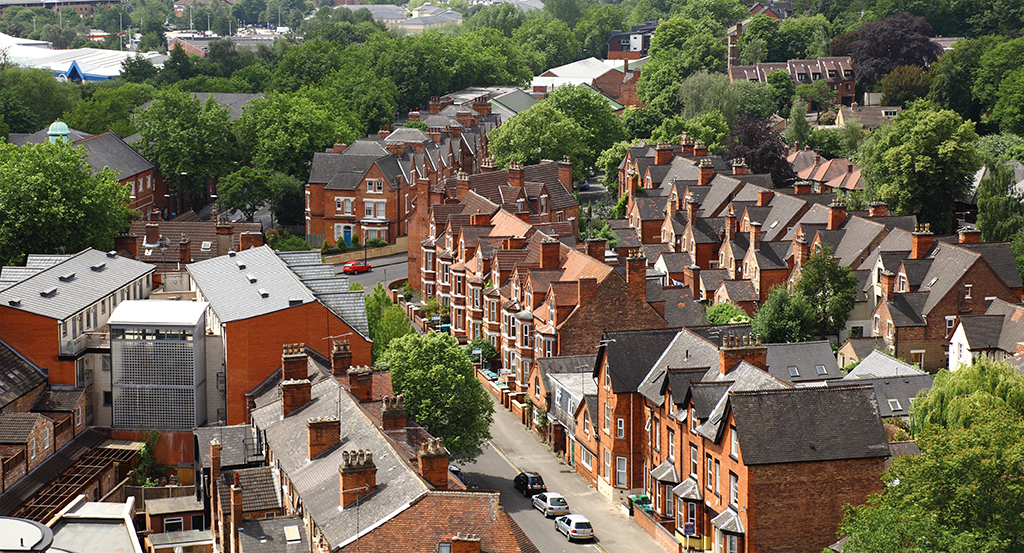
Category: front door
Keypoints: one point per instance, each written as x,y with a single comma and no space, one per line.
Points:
348,236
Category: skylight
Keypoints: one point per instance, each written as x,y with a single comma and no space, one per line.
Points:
206,246
932,281
793,371
821,369
291,534
894,404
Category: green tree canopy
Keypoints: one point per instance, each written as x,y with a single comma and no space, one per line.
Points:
541,131
829,288
31,99
281,132
726,313
247,190
953,76
784,317
995,64
591,112
306,64
710,128
189,142
441,391
595,28
552,38
904,84
51,202
109,109
505,17
1008,112
679,48
921,163
946,404
1000,212
799,130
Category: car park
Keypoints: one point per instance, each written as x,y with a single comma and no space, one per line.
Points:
551,504
354,267
575,527
529,483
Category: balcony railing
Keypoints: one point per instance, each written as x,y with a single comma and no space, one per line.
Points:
83,341
84,379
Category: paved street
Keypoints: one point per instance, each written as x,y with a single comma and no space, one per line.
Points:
392,267
615,531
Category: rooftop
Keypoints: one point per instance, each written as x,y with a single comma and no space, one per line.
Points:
158,313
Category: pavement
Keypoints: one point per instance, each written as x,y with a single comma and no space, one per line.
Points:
522,450
389,268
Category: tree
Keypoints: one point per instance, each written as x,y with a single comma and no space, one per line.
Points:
995,64
723,12
762,148
595,28
552,38
942,405
784,317
306,64
540,131
608,163
726,313
640,122
441,391
704,92
997,145
782,89
287,206
799,130
710,128
110,109
567,11
31,99
190,142
248,189
1008,111
754,99
281,132
393,324
137,69
829,288
679,48
1000,212
881,46
487,350
953,76
762,34
52,202
921,163
591,112
905,83
805,37
504,17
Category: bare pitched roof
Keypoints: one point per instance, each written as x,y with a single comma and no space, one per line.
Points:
18,375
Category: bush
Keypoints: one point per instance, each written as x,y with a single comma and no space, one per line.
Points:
407,292
376,243
620,207
284,241
487,351
726,313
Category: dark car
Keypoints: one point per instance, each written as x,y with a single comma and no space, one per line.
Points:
529,483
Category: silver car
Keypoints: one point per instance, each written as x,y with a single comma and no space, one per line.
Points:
551,504
575,527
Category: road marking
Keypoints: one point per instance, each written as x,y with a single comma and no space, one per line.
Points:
505,457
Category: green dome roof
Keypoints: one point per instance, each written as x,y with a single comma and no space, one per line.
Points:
58,130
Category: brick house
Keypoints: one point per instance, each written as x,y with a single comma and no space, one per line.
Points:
21,381
27,437
68,409
55,313
257,293
837,71
174,514
725,440
994,335
935,285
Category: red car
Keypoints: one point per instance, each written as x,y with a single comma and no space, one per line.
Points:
353,267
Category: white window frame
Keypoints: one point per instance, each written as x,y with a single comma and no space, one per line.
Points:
174,520
734,488
620,427
694,461
734,445
586,459
46,438
607,416
621,472
671,445
608,465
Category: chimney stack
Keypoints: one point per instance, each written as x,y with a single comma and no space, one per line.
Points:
755,235
339,147
550,254
730,226
294,364
742,348
249,240
691,279
596,247
706,171
921,241
225,236
686,143
465,544
700,149
801,249
185,250
433,463
215,449
488,165
565,172
636,275
691,210
887,281
970,236
322,433
482,105
236,514
515,174
341,358
295,394
461,185
479,219
878,209
739,166
764,197
156,215
836,214
414,115
393,415
663,153
152,234
357,475
360,382
383,132
802,187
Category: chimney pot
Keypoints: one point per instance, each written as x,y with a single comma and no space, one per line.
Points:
341,358
921,241
433,463
321,435
970,236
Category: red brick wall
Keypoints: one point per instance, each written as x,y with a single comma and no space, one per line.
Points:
253,348
14,466
38,339
797,507
660,535
173,446
613,308
24,403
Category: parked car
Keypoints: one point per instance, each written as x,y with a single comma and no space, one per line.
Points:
353,267
551,504
575,527
529,483
584,186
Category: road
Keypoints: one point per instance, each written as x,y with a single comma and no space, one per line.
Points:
521,449
392,268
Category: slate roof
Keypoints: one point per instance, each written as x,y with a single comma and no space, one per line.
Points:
879,364
18,375
675,262
905,309
1002,327
268,535
862,347
999,256
650,208
226,285
15,428
686,350
631,354
43,135
738,290
681,309
806,357
712,279
108,150
894,393
72,296
58,400
808,424
261,488
235,443
706,396
317,481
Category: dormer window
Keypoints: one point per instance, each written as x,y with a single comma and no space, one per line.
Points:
802,77
832,73
815,76
890,113
848,73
